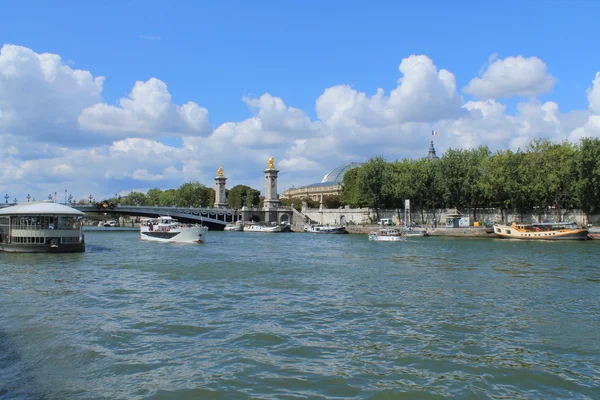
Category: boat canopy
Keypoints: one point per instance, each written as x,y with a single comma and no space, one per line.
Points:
40,208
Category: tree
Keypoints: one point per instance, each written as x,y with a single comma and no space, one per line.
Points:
350,191
374,184
153,196
135,199
332,201
587,167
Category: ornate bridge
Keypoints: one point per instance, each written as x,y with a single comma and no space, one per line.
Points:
214,218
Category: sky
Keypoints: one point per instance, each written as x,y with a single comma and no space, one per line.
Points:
106,98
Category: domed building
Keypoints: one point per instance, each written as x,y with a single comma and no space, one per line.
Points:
330,185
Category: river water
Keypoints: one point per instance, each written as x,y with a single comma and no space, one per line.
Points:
297,316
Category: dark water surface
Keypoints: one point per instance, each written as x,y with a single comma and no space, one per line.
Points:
296,316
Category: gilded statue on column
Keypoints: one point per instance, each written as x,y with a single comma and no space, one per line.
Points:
220,171
271,163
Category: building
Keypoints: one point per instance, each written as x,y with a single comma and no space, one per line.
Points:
330,185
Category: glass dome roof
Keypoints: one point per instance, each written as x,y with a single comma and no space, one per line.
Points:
336,175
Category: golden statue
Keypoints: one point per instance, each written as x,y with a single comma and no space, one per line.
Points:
271,163
220,171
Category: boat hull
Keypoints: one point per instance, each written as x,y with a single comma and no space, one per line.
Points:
42,248
509,232
331,230
377,238
185,235
594,236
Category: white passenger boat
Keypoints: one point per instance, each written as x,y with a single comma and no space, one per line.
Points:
331,229
108,224
41,227
541,231
387,235
167,229
258,227
234,227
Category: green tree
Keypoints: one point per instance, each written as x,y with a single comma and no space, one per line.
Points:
135,199
374,183
153,196
350,191
332,201
587,167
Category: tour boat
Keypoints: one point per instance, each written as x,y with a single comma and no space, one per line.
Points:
541,231
387,235
414,232
331,229
41,227
167,229
594,233
234,227
258,227
108,224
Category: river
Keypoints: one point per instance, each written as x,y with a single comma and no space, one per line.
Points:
297,316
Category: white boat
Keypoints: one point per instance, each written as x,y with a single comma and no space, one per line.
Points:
541,231
387,235
167,229
41,227
331,229
108,224
258,227
414,232
234,227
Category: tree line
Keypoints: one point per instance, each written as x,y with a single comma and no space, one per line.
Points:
191,194
544,175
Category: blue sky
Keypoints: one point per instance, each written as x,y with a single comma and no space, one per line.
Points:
216,53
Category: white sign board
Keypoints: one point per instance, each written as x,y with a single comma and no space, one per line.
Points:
407,204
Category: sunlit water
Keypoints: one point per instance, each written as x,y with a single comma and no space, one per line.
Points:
291,316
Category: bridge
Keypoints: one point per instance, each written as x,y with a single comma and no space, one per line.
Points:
213,218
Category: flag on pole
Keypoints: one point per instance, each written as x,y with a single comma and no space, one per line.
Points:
434,133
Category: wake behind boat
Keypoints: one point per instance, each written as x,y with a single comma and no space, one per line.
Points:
169,230
541,231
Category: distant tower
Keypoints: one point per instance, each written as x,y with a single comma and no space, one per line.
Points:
271,201
431,154
220,197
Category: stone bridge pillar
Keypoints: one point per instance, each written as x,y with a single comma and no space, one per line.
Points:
220,197
271,202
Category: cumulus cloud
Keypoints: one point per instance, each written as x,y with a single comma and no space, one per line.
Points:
148,111
41,96
512,76
593,95
46,106
423,94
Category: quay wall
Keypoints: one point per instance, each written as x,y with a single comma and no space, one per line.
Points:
365,216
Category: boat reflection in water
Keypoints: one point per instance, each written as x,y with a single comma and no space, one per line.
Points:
541,231
169,230
41,227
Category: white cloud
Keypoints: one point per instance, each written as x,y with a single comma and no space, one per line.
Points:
41,96
512,76
148,112
46,107
593,95
423,94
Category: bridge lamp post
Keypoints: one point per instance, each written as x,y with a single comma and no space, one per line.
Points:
6,196
15,200
90,197
70,198
55,197
28,197
65,196
50,196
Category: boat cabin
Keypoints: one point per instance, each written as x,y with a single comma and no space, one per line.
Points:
41,227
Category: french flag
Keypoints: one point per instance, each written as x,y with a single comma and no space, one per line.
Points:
434,133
